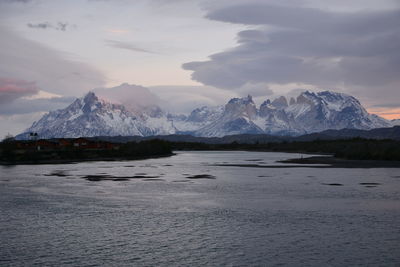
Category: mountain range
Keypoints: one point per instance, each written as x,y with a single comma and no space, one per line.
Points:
308,113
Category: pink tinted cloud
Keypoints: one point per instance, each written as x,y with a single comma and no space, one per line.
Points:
11,89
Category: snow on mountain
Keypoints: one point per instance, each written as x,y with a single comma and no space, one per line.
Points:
237,118
331,110
309,112
395,122
91,116
315,112
197,119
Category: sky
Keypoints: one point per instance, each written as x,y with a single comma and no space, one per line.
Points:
189,53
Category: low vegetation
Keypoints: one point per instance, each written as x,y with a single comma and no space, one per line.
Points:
11,153
356,148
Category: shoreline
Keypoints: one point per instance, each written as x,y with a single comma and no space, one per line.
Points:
76,161
334,162
328,159
324,161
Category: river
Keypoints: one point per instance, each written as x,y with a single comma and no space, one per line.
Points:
188,210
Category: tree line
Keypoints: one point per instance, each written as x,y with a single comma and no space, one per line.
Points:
355,148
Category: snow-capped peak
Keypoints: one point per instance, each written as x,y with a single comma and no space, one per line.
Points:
280,102
91,116
242,101
309,112
241,107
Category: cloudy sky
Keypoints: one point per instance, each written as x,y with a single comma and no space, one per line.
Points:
195,52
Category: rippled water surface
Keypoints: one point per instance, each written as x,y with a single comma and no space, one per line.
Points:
185,211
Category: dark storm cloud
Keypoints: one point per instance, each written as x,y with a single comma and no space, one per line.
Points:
308,18
127,46
306,45
60,26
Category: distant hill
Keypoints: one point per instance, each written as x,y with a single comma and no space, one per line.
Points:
379,133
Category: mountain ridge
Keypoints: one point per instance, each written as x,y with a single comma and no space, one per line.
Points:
309,113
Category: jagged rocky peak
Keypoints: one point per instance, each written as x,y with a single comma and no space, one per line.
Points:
90,101
292,101
244,107
266,104
328,96
304,98
90,97
331,100
242,101
200,114
333,96
266,108
280,102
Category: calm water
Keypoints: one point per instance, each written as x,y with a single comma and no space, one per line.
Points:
52,216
